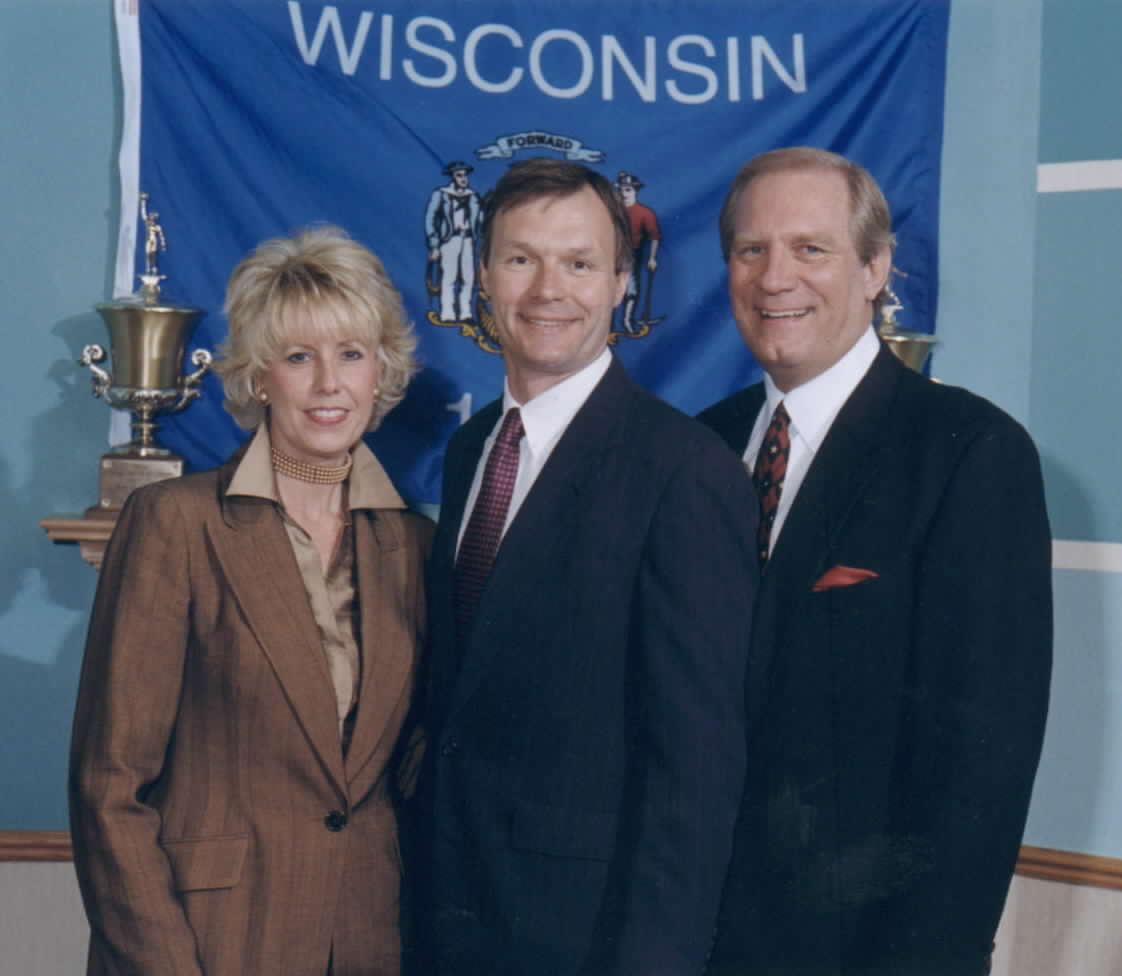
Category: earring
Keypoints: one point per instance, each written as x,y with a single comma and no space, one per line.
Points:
259,395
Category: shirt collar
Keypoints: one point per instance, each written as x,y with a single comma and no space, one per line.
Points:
813,406
545,417
370,486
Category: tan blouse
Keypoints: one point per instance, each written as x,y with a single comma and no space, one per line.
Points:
331,594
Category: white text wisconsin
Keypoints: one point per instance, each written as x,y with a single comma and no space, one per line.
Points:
559,62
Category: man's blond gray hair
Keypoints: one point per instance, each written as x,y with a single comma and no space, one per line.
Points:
870,217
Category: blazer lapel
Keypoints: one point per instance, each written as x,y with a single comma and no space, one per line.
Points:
736,426
547,516
460,462
253,548
838,475
385,633
836,479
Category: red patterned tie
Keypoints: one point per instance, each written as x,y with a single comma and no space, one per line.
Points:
768,475
485,527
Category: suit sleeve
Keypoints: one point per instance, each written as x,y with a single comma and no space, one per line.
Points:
411,743
124,722
690,645
983,641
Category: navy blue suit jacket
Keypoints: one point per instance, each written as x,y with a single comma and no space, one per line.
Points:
895,724
586,744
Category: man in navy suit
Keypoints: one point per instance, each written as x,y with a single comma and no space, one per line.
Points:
898,684
585,714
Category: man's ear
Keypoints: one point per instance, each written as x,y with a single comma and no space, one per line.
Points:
876,273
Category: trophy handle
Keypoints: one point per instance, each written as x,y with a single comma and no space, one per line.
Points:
190,389
93,353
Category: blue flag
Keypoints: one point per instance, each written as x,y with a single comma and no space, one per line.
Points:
258,117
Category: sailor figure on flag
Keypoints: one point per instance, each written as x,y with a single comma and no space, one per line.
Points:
451,229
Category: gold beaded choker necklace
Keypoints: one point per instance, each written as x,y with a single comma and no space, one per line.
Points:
315,474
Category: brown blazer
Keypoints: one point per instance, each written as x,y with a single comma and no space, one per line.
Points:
217,828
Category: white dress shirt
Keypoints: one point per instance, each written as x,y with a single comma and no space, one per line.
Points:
544,419
812,408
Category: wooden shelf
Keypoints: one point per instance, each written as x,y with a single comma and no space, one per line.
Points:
91,532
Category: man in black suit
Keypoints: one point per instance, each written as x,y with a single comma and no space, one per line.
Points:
898,684
586,711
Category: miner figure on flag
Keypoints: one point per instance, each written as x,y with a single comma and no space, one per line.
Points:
645,237
451,231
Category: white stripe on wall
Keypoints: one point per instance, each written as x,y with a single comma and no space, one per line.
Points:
1096,557
1092,174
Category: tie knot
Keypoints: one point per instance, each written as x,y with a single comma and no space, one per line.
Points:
780,418
511,430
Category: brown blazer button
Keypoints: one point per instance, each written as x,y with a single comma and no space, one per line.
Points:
335,821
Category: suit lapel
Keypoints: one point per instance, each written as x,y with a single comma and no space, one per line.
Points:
844,465
460,462
735,425
547,516
387,643
838,475
257,559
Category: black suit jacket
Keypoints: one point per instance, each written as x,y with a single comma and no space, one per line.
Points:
895,724
586,745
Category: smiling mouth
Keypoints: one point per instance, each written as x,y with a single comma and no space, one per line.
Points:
789,313
327,414
545,323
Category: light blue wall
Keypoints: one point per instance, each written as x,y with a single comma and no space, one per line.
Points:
988,207
1075,410
1028,309
1075,393
1077,804
1081,88
1076,405
1025,283
58,125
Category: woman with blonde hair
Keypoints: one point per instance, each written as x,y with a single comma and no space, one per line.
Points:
240,725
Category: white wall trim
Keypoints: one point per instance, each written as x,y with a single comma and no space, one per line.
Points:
1095,557
1092,174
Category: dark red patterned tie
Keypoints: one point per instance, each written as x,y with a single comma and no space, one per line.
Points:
485,527
768,475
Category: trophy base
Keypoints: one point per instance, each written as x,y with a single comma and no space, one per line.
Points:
120,474
137,451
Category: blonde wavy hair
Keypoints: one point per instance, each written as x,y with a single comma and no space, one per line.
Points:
318,284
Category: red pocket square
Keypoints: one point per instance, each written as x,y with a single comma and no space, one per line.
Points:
842,576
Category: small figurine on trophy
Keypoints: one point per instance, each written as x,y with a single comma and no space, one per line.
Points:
154,242
911,348
146,338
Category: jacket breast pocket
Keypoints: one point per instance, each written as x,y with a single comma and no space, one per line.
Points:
888,590
563,831
204,863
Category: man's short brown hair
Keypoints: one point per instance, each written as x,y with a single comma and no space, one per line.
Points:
532,179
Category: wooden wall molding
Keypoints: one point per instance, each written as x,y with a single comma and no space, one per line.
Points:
1042,863
1070,867
35,845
